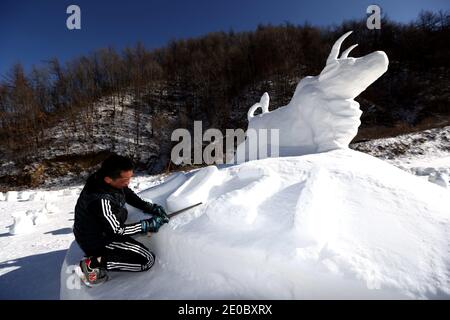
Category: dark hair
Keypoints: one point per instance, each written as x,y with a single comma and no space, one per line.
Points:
114,165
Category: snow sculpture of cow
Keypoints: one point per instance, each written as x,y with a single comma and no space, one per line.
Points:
322,114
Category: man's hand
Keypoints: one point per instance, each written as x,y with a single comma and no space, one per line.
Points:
153,224
157,210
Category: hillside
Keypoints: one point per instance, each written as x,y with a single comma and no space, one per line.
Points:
60,121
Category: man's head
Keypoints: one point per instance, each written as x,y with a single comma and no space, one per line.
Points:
117,171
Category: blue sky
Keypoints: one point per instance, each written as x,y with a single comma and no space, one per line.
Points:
32,31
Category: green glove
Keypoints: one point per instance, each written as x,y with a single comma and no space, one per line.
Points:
157,210
152,225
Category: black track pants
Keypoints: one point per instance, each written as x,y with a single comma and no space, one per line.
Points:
127,254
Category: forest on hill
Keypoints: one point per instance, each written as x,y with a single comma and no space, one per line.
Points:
214,78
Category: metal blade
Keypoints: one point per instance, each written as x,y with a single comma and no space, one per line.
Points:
173,214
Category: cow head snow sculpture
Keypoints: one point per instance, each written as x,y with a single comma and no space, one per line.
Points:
322,114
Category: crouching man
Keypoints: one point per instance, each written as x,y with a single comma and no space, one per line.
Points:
100,228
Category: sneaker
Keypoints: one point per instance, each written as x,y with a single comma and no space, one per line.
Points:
92,276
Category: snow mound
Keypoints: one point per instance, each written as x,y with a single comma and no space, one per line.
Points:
195,190
23,196
339,225
315,219
26,222
11,196
441,179
231,206
23,223
51,207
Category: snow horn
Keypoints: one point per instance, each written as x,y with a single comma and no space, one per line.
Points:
334,54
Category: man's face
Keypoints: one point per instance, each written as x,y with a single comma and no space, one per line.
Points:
121,182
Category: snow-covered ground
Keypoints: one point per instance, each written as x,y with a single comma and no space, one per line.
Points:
330,225
340,224
425,153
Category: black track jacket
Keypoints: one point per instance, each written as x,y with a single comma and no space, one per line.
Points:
100,214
